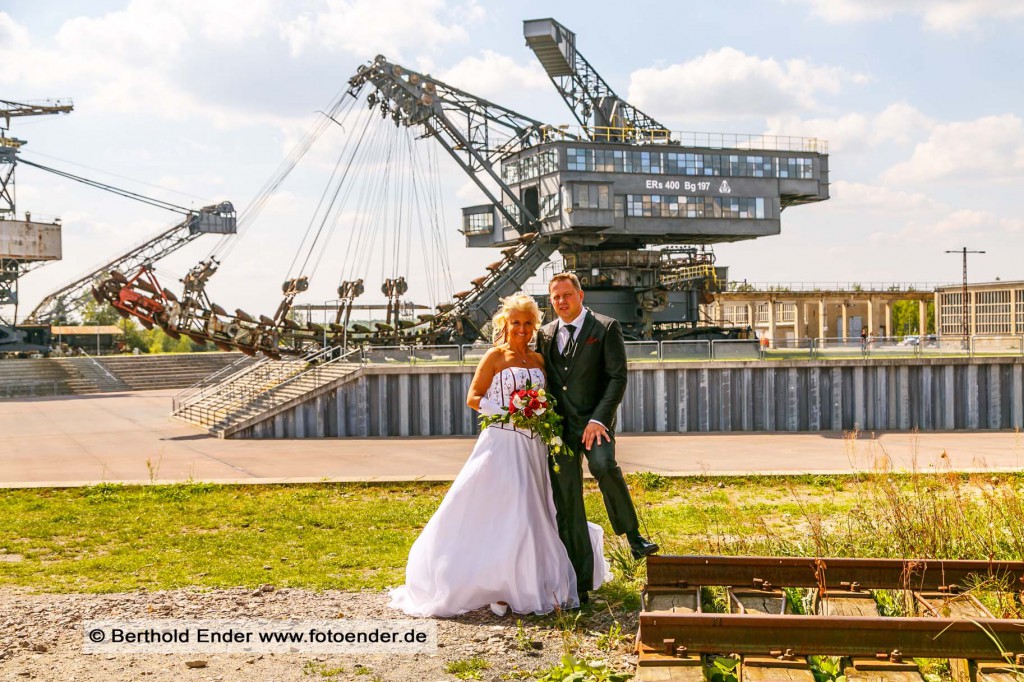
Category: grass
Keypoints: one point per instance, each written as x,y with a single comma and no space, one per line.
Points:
109,538
468,668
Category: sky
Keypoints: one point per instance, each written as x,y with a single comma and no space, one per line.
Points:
197,102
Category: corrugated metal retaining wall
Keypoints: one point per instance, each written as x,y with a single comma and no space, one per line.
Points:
837,395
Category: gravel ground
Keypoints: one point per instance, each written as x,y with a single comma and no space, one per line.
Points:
41,638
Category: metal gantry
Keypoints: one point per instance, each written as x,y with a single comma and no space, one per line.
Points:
604,115
590,196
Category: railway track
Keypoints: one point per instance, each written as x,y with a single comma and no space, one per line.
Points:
773,614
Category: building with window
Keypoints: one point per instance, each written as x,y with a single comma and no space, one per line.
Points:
785,313
993,309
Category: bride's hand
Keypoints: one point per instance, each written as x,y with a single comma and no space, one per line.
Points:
491,407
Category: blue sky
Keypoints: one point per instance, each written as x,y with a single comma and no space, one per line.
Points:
195,102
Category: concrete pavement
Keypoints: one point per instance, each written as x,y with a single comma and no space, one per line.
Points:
128,437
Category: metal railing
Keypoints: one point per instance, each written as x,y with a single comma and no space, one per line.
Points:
854,287
102,369
266,392
686,138
212,401
731,349
205,386
245,384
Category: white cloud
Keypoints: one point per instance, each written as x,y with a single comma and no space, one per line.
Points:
496,77
729,83
12,34
858,197
988,147
849,132
371,27
218,59
943,15
897,124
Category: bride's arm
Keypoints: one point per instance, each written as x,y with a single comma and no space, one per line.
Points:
482,379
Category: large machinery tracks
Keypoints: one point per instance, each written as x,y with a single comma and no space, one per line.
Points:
945,613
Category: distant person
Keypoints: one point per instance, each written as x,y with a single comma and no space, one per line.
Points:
864,339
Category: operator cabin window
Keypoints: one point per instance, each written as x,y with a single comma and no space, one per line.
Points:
478,223
591,196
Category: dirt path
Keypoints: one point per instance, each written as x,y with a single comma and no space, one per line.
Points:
41,638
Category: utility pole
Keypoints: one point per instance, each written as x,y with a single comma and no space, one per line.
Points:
966,324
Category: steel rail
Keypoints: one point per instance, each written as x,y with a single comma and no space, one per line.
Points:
746,634
828,573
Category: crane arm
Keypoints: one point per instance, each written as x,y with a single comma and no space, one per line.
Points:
71,298
475,132
591,100
9,109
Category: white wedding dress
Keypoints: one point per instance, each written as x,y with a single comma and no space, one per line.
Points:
494,537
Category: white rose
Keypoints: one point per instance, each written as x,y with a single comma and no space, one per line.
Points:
540,410
557,441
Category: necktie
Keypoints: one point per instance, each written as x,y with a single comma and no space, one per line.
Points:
570,343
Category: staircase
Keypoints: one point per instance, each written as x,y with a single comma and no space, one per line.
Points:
228,403
88,375
21,378
173,370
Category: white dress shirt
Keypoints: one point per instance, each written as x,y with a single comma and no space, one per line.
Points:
563,333
562,337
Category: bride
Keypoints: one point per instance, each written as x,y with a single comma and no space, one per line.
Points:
493,541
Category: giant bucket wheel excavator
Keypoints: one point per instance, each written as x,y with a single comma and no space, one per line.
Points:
631,208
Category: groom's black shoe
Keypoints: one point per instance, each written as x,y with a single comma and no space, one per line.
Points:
641,547
584,597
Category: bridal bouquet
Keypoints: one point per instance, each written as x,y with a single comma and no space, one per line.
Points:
533,409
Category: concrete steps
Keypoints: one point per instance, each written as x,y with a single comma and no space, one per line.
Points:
173,370
86,375
23,378
257,390
299,388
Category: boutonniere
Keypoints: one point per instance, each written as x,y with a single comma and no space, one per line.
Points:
591,340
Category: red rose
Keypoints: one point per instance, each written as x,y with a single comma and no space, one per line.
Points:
534,404
512,409
528,412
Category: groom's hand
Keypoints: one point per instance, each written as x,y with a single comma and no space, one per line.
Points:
593,434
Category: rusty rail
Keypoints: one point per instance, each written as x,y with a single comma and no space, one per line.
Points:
832,635
676,639
830,573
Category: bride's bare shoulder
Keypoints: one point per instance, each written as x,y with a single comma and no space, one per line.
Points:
493,359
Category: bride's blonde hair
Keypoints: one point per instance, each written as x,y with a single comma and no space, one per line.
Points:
509,305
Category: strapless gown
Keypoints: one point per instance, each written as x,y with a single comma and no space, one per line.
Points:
494,537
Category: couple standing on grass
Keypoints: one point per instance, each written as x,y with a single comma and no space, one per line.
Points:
512,531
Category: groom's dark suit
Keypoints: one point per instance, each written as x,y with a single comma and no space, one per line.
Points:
588,385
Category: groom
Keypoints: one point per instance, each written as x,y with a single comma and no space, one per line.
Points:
585,358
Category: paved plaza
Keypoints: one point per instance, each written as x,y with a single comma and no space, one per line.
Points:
128,437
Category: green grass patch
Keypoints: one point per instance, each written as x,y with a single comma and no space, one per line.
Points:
468,668
110,538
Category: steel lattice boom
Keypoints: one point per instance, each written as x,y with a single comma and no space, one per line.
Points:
592,101
70,299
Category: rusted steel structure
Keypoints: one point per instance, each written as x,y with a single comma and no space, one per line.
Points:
762,638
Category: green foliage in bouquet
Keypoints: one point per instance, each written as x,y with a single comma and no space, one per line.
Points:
533,409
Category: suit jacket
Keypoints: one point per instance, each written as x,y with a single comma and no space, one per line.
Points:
590,385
